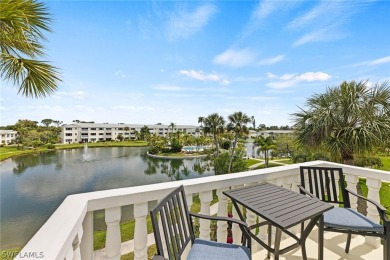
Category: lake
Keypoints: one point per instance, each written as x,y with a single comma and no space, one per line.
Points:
33,186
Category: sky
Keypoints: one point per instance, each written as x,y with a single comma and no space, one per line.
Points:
148,62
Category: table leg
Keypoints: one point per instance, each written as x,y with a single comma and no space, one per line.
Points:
269,240
321,238
278,237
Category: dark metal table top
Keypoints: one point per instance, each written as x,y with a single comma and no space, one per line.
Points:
283,208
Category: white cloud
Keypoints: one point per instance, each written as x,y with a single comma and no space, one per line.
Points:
379,61
200,75
184,24
271,75
324,21
271,60
290,80
235,58
313,76
265,8
287,76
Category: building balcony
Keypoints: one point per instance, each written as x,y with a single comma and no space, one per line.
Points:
68,233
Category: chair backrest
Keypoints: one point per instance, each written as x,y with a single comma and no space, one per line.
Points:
324,183
172,224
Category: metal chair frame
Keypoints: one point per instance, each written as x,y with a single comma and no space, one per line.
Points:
322,185
172,219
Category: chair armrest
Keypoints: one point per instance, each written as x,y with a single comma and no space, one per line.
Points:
379,207
239,222
159,257
242,225
303,190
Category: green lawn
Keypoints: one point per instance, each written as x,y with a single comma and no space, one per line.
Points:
250,162
386,163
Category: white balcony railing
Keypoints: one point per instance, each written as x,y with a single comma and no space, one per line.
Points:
68,233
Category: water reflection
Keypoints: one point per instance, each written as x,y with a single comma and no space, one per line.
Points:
33,186
44,158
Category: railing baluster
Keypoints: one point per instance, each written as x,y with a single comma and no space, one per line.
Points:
205,199
236,231
76,245
222,211
140,231
373,186
113,237
86,246
352,180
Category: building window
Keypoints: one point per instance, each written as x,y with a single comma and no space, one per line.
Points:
101,128
93,128
84,129
108,133
93,133
68,134
108,129
84,134
101,133
68,128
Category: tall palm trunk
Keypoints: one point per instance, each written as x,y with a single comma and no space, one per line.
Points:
216,144
232,154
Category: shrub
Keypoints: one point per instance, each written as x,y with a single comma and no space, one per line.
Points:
50,146
225,145
176,146
153,150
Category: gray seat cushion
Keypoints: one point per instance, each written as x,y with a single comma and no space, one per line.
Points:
210,250
347,218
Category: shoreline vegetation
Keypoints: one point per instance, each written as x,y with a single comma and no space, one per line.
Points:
7,152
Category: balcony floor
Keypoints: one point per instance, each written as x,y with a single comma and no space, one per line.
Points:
334,245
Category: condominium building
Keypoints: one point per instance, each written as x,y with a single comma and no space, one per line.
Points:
93,132
275,133
7,136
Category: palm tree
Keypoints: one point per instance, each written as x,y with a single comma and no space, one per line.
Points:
214,125
201,121
21,25
349,119
265,144
172,125
253,120
237,124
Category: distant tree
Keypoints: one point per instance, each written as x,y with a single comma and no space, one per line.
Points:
120,137
22,25
237,124
262,127
346,120
144,132
214,124
172,125
265,145
253,120
47,122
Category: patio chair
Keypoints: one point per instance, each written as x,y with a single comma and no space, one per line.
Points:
174,230
320,182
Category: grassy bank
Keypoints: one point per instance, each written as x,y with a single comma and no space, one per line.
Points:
12,151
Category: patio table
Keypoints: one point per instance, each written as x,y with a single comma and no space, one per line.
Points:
282,209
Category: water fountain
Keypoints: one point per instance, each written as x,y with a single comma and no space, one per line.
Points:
85,153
